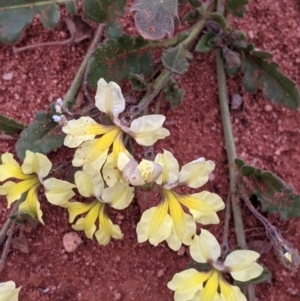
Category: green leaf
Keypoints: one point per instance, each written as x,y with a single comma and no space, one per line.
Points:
101,11
116,59
274,194
10,126
174,95
175,60
15,15
50,16
266,275
191,16
220,19
260,74
237,7
205,43
71,7
43,135
137,81
113,30
155,19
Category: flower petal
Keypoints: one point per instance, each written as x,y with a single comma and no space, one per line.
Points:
83,129
205,247
35,163
118,196
242,264
230,292
31,204
88,222
211,287
58,192
89,183
76,208
187,283
8,291
155,224
13,191
170,167
184,227
107,229
196,173
10,168
109,98
203,206
146,130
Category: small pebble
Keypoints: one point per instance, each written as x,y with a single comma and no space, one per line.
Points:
117,296
8,76
236,101
160,273
268,108
71,241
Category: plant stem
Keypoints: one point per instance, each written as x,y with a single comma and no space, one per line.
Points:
231,152
77,81
165,75
5,227
225,247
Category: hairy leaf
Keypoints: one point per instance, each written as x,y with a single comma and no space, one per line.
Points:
220,19
237,7
113,30
155,19
175,60
71,7
261,74
274,194
43,135
195,3
174,95
101,11
137,81
116,59
10,126
15,15
205,43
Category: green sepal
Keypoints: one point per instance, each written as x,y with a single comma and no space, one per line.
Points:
175,59
41,136
266,275
116,59
237,7
10,126
104,10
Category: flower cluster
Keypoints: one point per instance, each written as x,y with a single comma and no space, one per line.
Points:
191,285
108,176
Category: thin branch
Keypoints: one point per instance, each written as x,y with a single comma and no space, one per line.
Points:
77,81
58,43
7,245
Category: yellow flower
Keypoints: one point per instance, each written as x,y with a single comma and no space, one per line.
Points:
93,151
90,185
8,291
34,168
211,286
168,221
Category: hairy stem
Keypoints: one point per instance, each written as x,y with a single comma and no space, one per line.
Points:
231,152
77,81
